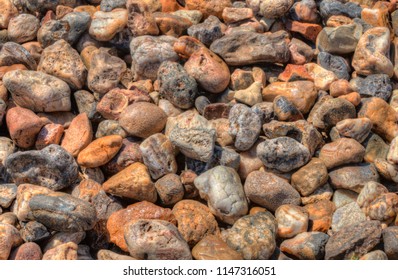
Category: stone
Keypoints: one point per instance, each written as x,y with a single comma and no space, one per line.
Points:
118,220
324,192
105,25
300,52
79,23
253,236
343,197
208,31
216,111
320,215
249,162
309,31
54,167
8,193
390,240
78,136
347,215
338,20
52,31
194,16
12,53
49,134
156,240
251,95
105,72
340,87
339,40
110,255
374,60
132,182
171,25
67,251
306,246
27,251
392,155
305,11
376,16
140,18
213,247
357,129
340,152
8,11
100,151
142,119
24,126
377,85
170,189
62,61
210,71
233,15
223,190
208,8
267,9
38,91
176,85
34,231
283,154
195,221
375,255
301,93
86,103
63,212
336,64
332,7
369,193
242,48
60,238
293,72
353,241
110,127
291,219
270,191
310,177
148,53
384,208
9,238
244,126
353,177
23,28
322,78
169,108
285,110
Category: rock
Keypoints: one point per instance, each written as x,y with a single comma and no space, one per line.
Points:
8,193
392,155
267,9
86,103
301,93
9,238
12,53
222,189
170,189
63,212
342,151
309,31
78,22
340,87
100,151
143,119
23,28
343,197
213,247
38,91
52,31
353,241
24,126
270,191
169,108
156,240
336,64
34,231
171,25
110,255
208,8
347,215
332,7
305,11
8,10
216,111
291,219
60,238
176,85
373,60
384,208
265,111
195,221
105,72
194,16
148,53
320,215
242,48
285,110
310,177
306,246
27,251
283,154
339,40
324,192
62,61
49,134
357,129
390,240
322,78
208,31
140,18
78,136
109,127
251,95
369,193
253,236
54,167
132,182
210,71
375,255
382,116
105,25
67,251
300,52
377,85
353,177
244,126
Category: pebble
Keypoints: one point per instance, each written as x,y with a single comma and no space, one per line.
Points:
270,191
285,110
78,136
384,208
51,31
310,177
8,11
306,246
171,25
9,238
112,256
347,215
320,215
23,28
110,127
324,192
49,134
273,9
251,95
140,20
27,251
336,64
208,31
369,193
375,255
343,197
105,25
340,152
8,193
392,155
332,7
34,231
169,189
390,240
195,221
64,252
292,220
156,240
213,247
207,8
357,129
253,236
223,190
12,53
377,85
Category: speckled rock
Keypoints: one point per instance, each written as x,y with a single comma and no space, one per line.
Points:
140,18
110,255
283,154
51,31
377,85
222,189
55,168
105,25
38,91
384,208
253,236
9,238
291,219
347,215
170,189
110,127
34,231
306,246
23,28
8,10
270,191
310,177
213,247
67,251
285,110
342,197
390,240
340,152
270,9
336,64
251,95
208,31
8,193
369,193
171,25
320,215
156,240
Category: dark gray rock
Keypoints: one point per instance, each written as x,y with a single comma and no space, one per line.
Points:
390,240
78,22
8,192
330,8
265,111
34,231
13,53
306,246
337,64
208,31
378,85
52,31
109,5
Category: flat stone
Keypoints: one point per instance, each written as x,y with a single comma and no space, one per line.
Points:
306,246
213,247
353,177
340,152
377,85
357,129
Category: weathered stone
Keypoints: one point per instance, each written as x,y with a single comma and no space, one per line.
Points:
320,215
67,251
78,136
384,208
309,31
8,193
213,247
306,245
9,238
194,16
377,85
390,240
8,10
342,151
332,7
208,31
300,52
375,255
23,28
342,197
291,219
170,189
357,129
105,25
49,134
78,22
251,95
270,9
310,177
27,251
52,31
305,11
110,255
34,231
369,193
347,215
12,53
211,7
337,64
140,18
110,127
171,25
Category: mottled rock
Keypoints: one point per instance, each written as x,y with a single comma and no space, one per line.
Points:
357,129
320,215
310,177
9,238
53,167
67,251
211,7
78,136
390,240
377,85
38,91
309,31
384,208
342,197
270,191
213,247
194,16
339,40
8,10
342,151
291,219
140,18
332,7
347,215
23,28
105,25
171,25
49,134
110,127
110,255
353,177
270,9
34,231
156,240
52,31
375,255
170,189
306,246
305,11
369,193
78,22
337,64
27,251
8,193
208,31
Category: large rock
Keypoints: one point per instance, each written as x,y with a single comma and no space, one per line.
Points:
270,9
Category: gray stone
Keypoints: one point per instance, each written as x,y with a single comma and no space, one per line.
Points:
377,85
208,31
79,22
8,193
343,197
337,64
34,231
339,40
110,127
109,5
347,215
52,31
390,240
329,8
13,53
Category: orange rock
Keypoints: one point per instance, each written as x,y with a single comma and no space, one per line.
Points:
208,7
376,16
256,209
78,135
49,134
352,97
86,8
105,25
232,15
294,72
340,87
61,11
100,151
186,46
171,25
5,69
169,6
214,248
338,20
320,215
140,210
309,30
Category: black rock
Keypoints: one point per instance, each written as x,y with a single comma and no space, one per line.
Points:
337,64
